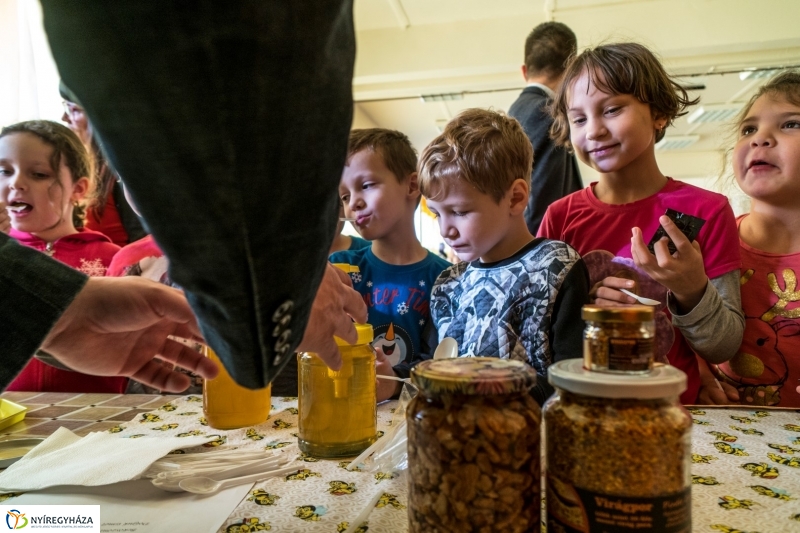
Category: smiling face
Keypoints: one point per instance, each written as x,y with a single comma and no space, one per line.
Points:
39,199
374,196
473,224
609,132
766,158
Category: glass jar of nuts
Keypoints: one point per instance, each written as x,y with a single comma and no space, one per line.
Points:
618,451
618,339
473,447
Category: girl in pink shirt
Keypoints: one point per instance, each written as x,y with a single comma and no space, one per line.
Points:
614,104
766,163
44,172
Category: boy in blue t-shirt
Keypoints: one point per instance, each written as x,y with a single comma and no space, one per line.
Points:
379,190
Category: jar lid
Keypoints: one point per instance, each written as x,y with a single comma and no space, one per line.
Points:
473,375
663,381
365,336
628,313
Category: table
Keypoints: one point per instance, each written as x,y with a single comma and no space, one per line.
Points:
746,463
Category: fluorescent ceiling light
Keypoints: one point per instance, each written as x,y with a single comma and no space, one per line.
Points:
755,74
427,98
713,113
676,142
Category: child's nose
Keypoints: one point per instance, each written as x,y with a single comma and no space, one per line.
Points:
595,129
762,138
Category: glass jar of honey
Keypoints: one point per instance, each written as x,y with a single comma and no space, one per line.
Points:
337,409
619,339
473,447
228,405
618,451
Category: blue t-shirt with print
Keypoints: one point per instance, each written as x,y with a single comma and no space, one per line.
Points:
397,297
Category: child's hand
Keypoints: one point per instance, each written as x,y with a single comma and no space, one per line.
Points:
385,388
712,391
682,273
606,293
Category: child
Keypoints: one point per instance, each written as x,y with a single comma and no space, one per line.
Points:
342,242
514,296
379,189
44,172
766,163
614,104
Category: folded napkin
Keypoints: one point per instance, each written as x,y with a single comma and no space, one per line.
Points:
96,459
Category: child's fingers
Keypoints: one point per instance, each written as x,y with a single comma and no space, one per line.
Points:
641,255
608,295
682,244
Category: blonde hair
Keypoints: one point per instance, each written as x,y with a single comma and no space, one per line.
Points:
485,148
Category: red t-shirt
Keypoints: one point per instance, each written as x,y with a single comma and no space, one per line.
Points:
602,235
90,252
110,224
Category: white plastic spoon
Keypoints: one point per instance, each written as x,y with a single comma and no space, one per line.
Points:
640,299
447,349
170,481
206,485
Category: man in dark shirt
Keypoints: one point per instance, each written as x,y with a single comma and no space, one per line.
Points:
555,171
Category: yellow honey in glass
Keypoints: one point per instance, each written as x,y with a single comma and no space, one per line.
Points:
228,405
337,411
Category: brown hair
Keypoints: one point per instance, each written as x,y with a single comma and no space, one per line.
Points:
66,144
785,85
548,48
621,68
393,146
487,149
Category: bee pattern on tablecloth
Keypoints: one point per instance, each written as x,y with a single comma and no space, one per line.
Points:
307,458
345,464
795,517
192,433
290,398
783,448
252,434
387,499
165,427
380,476
8,495
793,462
292,410
248,525
280,424
150,417
177,452
697,458
262,497
302,475
761,414
730,449
203,421
219,441
380,434
705,480
310,512
724,436
762,470
772,492
700,422
194,399
729,529
187,413
119,428
791,427
138,435
167,407
340,488
748,431
342,527
729,502
743,419
274,445
696,411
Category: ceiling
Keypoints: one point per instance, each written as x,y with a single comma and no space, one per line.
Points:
473,50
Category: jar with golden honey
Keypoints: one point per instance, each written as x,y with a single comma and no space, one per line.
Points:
618,451
473,447
619,339
337,409
228,405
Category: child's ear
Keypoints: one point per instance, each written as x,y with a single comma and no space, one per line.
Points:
79,189
518,196
413,185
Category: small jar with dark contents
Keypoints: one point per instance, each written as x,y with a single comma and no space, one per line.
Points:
619,339
618,451
473,447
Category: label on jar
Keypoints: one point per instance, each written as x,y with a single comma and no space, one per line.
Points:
630,355
574,510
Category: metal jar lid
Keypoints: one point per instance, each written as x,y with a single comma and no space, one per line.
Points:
473,376
628,313
663,381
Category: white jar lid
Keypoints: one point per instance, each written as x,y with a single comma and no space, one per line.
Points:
662,382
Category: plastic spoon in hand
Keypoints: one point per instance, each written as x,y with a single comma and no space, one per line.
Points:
640,299
206,485
447,349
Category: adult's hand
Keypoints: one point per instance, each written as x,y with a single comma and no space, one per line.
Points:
5,220
121,327
334,305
